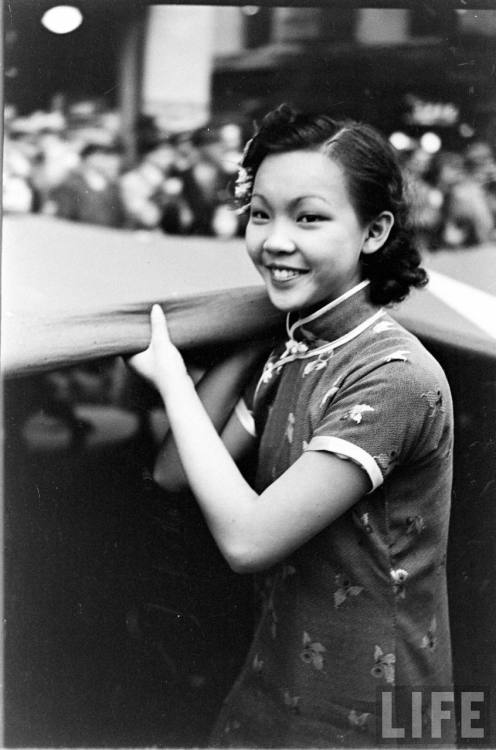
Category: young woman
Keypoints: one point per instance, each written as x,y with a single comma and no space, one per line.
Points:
353,419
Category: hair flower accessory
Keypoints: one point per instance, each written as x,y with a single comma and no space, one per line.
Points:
244,182
242,188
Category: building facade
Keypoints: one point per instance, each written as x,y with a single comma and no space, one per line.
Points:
398,68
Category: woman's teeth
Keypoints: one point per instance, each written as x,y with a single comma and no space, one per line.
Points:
284,274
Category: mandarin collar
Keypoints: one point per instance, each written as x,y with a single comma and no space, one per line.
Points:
334,319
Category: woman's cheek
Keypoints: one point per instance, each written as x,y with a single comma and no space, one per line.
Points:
256,259
252,246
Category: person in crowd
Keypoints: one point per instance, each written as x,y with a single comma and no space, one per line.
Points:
91,194
225,223
197,174
55,160
18,194
230,135
481,166
346,524
479,161
465,213
426,198
148,190
205,182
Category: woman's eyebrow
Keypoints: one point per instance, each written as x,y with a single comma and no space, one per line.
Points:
295,201
309,196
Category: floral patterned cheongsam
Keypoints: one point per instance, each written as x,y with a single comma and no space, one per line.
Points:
363,605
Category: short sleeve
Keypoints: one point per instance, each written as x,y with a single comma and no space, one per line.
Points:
393,414
244,409
245,417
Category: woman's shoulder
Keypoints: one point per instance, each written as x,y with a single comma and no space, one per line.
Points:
389,341
390,363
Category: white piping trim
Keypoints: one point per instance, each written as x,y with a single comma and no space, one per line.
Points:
326,347
347,336
352,451
322,310
334,344
245,417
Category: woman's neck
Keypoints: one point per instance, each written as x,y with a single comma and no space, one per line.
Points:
333,318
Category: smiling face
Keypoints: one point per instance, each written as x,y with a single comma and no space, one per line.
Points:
304,235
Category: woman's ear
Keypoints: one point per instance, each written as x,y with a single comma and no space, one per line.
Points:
378,232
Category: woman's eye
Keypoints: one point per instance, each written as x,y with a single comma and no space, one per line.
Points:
257,213
311,218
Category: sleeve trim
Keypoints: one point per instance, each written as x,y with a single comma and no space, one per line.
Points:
245,417
351,451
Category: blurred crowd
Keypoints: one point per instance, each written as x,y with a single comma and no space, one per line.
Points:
182,183
177,183
75,168
453,195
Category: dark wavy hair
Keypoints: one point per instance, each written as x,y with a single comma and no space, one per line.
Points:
374,182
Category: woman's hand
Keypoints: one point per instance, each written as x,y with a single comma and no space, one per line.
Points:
161,361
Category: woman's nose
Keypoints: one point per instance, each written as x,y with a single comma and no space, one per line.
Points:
279,242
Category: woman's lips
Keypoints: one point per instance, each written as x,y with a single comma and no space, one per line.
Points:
283,274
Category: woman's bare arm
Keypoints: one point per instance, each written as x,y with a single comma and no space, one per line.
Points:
168,471
252,531
219,390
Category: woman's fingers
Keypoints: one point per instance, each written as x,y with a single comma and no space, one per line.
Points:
157,314
159,325
161,359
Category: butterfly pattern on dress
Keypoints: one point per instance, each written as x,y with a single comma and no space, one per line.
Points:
269,369
434,400
401,355
310,659
232,725
429,640
386,460
345,590
356,412
291,701
384,665
358,719
362,520
414,524
313,652
315,365
257,663
398,578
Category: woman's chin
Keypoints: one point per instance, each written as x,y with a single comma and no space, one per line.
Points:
291,300
287,298
286,302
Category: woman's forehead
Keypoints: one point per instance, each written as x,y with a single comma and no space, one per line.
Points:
299,172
